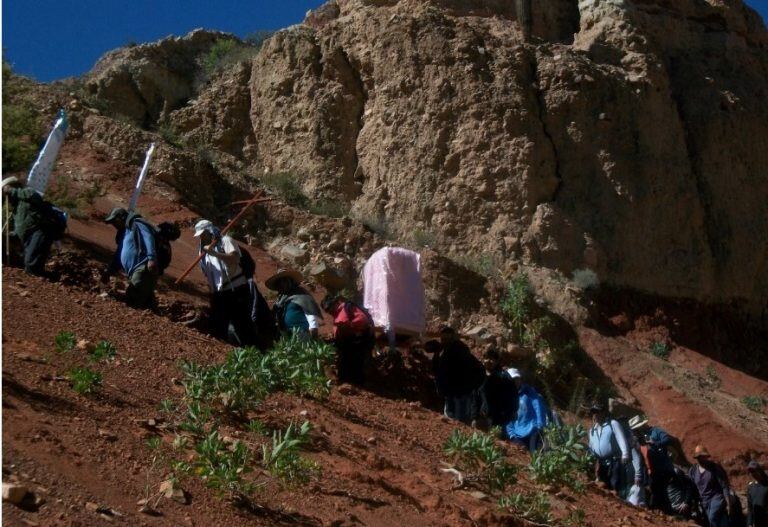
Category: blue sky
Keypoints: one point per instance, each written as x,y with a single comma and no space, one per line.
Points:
52,39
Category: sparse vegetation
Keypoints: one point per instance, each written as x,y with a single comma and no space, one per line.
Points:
564,459
286,186
222,467
65,341
484,265
712,377
227,53
330,208
104,351
21,126
660,350
170,135
478,456
422,238
84,380
532,507
282,458
754,402
516,304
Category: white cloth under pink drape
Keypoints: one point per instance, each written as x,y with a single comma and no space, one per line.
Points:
393,291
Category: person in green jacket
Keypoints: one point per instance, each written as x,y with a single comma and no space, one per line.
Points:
30,224
295,309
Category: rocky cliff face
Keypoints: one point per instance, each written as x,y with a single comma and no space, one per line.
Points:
626,137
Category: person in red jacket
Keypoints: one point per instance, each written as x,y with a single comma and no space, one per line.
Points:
353,335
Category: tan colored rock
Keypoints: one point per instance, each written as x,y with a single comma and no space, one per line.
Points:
14,492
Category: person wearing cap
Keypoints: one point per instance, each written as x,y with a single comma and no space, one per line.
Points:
30,224
459,376
653,443
500,393
353,336
714,490
611,448
531,416
295,309
757,496
230,290
136,255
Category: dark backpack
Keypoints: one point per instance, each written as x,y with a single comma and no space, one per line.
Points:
54,220
247,265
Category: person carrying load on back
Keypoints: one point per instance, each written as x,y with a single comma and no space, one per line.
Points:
353,335
500,393
531,416
295,310
37,223
228,284
653,444
459,376
714,490
610,446
136,254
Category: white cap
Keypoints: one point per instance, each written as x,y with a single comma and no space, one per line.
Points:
514,373
202,226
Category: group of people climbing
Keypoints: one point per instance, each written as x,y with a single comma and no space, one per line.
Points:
632,458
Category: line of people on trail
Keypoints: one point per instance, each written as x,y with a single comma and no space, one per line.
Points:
632,458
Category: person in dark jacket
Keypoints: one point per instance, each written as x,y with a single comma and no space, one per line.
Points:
653,443
458,375
29,224
136,255
500,397
714,490
682,495
295,309
757,496
353,336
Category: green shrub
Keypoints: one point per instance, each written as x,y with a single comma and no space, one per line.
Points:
480,458
104,350
282,459
21,135
84,380
564,459
713,377
516,304
423,238
532,507
65,341
329,208
660,350
754,402
298,365
222,468
226,53
170,135
286,186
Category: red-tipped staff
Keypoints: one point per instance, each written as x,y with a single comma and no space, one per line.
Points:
257,198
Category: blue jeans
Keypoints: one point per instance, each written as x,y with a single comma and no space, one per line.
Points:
717,514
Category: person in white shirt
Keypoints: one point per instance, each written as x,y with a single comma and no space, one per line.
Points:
609,444
230,291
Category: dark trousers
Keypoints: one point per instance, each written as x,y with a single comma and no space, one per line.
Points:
659,497
233,307
354,353
37,247
141,287
610,471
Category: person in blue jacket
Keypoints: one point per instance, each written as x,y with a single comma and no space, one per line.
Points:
136,255
531,417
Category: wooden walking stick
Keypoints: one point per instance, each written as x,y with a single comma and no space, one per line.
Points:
257,198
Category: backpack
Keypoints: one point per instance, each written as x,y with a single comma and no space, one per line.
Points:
54,220
163,235
348,308
247,265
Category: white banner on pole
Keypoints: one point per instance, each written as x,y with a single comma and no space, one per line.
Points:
41,170
142,178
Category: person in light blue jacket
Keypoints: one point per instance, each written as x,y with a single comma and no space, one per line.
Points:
532,414
136,255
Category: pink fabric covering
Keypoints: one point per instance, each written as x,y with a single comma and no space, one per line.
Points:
393,291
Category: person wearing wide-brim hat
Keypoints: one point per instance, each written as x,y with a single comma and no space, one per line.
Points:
714,490
653,443
295,309
31,223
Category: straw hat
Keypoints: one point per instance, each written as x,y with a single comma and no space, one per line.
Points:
638,421
700,451
282,273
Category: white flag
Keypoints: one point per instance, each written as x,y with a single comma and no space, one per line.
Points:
41,170
142,178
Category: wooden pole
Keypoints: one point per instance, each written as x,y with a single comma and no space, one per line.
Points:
256,199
